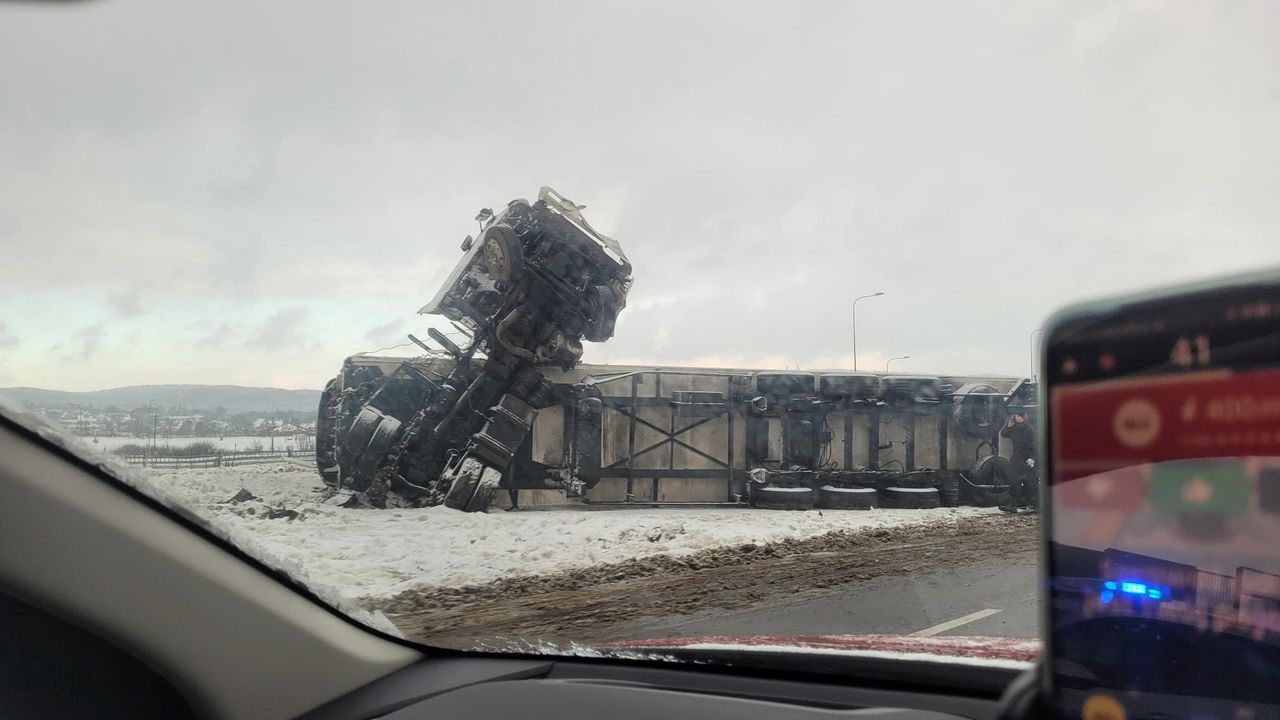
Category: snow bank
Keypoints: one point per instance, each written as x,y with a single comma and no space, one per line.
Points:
882,654
379,553
1016,653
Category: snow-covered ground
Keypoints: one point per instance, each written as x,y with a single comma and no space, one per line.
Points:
379,553
222,442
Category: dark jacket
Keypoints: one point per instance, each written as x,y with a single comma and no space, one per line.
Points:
1023,437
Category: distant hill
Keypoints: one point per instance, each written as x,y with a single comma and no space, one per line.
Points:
234,398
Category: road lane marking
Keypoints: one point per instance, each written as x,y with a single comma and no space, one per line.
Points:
951,624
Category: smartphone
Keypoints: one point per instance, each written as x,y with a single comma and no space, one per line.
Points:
1161,432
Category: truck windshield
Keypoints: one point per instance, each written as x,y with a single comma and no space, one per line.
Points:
600,328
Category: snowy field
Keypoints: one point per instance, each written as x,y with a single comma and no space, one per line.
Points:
380,553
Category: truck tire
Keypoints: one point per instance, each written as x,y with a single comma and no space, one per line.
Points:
782,498
327,434
473,486
503,255
911,498
604,313
846,498
466,476
365,445
486,490
977,409
949,488
988,481
384,436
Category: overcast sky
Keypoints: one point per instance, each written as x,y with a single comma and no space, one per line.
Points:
248,192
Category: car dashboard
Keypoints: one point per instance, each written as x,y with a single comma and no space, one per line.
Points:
532,689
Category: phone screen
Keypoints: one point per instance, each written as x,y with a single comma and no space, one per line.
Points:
1163,431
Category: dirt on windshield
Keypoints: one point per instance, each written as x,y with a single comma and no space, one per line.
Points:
585,604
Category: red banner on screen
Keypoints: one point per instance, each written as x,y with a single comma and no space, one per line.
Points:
1120,423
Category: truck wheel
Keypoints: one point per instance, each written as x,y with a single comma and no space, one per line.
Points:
911,498
379,447
473,488
327,436
604,313
365,445
782,498
844,498
466,476
988,482
486,489
502,253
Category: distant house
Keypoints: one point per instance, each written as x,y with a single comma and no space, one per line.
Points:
266,425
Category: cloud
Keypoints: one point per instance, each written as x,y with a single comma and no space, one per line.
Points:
125,304
217,337
386,332
304,177
283,330
8,341
83,345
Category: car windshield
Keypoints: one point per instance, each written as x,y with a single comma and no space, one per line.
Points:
606,327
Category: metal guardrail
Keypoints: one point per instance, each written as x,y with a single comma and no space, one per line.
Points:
227,459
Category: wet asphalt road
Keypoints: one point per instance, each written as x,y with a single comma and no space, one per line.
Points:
959,598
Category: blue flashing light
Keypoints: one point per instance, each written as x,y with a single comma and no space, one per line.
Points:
1154,594
1110,584
1134,588
1107,596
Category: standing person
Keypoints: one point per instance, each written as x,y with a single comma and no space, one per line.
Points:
1024,484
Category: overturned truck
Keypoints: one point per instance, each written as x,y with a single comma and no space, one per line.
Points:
509,413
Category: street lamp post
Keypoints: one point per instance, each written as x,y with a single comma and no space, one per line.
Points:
900,357
1032,339
855,325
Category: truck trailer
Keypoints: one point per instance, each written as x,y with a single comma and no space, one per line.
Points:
510,413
